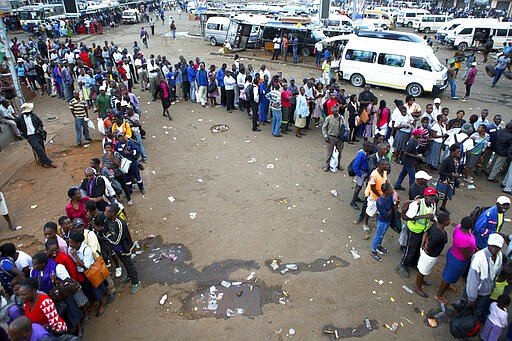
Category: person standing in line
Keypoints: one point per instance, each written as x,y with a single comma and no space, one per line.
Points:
411,154
154,73
301,112
470,79
219,76
67,81
202,84
191,75
284,47
502,151
331,129
31,128
5,213
501,64
79,111
385,206
274,97
229,89
264,89
326,70
285,108
432,244
152,25
361,169
319,47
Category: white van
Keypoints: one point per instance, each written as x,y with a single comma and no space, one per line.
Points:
379,17
428,23
131,16
404,65
406,16
452,25
216,30
463,36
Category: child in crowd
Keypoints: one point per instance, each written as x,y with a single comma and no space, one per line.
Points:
497,320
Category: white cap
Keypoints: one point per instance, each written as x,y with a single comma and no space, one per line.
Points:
473,64
503,200
437,100
495,240
422,175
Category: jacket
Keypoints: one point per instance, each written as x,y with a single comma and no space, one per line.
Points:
503,142
486,224
38,124
479,281
360,165
220,77
116,233
129,146
202,77
98,189
191,74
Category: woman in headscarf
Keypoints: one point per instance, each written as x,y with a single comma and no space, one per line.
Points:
165,95
301,112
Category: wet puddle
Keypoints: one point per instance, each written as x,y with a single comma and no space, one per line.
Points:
365,328
317,265
168,264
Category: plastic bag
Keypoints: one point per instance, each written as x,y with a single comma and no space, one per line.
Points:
101,125
333,163
90,124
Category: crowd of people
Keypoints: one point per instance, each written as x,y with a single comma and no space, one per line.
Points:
101,80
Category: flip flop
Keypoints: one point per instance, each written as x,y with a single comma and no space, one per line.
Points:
441,299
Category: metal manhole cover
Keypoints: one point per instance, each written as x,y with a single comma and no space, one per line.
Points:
219,128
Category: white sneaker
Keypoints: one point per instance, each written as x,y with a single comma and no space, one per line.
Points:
366,228
119,272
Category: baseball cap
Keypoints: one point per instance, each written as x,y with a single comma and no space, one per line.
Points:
473,64
495,240
78,222
429,191
503,200
422,175
437,100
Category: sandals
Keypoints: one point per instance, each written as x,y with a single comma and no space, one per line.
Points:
376,256
441,299
382,250
420,292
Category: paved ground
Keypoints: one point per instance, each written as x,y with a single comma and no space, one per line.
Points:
245,212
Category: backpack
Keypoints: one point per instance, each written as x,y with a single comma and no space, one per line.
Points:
477,212
350,168
249,93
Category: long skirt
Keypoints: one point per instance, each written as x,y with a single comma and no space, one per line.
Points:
434,154
401,139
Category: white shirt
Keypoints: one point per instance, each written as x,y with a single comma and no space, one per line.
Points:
70,57
24,261
6,112
152,67
394,116
319,46
431,119
440,130
497,316
277,43
30,125
127,68
263,73
436,111
229,82
240,80
117,56
85,255
138,62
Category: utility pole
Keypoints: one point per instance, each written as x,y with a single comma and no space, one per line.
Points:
11,62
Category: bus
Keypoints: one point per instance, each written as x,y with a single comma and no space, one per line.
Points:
36,14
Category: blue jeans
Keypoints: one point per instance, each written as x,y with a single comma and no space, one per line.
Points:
382,227
81,124
138,137
68,92
295,57
193,91
406,170
453,87
318,58
497,77
173,34
276,121
264,110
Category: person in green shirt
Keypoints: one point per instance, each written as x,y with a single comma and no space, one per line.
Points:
103,103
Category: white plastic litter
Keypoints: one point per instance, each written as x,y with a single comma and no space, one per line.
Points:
163,299
171,199
192,215
270,166
334,192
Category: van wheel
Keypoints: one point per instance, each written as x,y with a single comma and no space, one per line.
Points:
384,26
213,41
414,89
426,30
462,46
357,80
306,52
409,24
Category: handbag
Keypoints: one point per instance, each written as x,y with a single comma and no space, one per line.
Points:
364,116
396,221
466,324
97,272
125,165
212,87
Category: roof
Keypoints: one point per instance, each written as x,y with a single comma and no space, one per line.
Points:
408,37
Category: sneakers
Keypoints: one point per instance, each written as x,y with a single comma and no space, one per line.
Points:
119,272
382,250
134,288
354,205
376,256
130,203
469,181
367,228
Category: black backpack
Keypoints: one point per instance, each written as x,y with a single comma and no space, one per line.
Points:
477,212
249,93
350,168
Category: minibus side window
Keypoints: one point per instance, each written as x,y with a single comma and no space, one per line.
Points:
360,56
391,60
501,32
420,63
467,30
212,26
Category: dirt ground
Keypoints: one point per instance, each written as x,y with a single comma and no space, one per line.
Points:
248,214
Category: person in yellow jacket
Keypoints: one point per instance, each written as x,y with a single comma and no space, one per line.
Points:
419,214
119,124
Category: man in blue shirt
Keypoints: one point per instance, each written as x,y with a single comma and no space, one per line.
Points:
220,83
264,102
360,167
202,84
129,151
490,221
191,76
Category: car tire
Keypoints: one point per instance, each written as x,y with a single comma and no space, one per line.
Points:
426,30
213,41
357,80
306,52
415,90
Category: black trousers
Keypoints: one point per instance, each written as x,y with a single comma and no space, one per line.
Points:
131,270
412,250
468,90
122,180
254,109
223,96
230,99
275,55
186,90
37,143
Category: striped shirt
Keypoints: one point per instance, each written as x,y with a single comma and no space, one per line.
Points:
77,108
